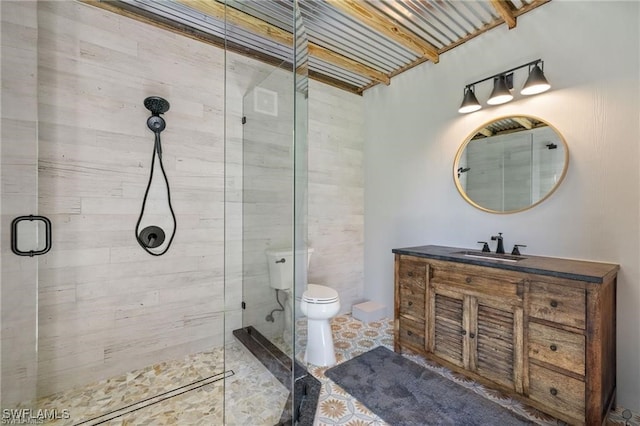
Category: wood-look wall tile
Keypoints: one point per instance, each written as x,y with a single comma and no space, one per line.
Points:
95,69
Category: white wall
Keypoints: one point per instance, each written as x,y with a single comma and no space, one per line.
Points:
413,130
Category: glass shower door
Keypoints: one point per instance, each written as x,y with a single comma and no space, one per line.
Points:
268,207
75,147
19,197
259,204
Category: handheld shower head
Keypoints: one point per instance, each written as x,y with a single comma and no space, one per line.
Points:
156,105
156,124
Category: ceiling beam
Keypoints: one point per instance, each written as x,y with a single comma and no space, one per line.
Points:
271,32
370,17
233,16
505,11
348,64
524,122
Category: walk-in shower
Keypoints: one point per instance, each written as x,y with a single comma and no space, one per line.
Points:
95,329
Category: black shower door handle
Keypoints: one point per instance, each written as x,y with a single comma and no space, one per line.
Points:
14,235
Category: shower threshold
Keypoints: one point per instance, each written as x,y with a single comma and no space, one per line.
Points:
114,414
306,387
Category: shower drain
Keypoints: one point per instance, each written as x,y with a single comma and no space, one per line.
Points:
111,415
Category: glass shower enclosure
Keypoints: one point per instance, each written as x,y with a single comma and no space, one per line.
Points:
95,328
271,266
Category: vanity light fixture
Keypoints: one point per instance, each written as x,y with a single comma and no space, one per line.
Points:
503,84
500,93
469,102
536,82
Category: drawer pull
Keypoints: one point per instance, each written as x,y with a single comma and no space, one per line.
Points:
410,274
554,304
468,280
553,391
463,332
410,303
409,333
472,335
553,348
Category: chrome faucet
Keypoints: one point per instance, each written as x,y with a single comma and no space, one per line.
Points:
500,248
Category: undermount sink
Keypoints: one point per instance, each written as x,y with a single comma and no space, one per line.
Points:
490,256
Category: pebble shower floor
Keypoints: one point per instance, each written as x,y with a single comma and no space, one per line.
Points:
153,395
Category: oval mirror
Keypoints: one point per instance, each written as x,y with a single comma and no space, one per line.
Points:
510,164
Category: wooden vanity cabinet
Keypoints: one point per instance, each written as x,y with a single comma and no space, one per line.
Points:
546,340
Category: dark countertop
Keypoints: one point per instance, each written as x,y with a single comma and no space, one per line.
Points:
580,270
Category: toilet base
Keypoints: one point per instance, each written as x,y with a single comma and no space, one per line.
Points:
320,349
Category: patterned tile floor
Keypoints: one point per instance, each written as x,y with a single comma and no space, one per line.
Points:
352,337
253,396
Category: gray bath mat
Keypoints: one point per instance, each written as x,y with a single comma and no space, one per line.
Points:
404,393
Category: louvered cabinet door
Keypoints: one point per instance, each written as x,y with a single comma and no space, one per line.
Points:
497,343
446,326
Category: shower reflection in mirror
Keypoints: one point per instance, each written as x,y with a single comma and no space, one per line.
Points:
510,164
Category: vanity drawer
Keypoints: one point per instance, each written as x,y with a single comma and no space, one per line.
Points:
490,282
560,392
411,334
557,303
412,275
557,347
412,301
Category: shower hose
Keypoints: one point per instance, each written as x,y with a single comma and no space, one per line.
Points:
157,150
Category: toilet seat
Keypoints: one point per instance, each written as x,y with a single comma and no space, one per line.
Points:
319,294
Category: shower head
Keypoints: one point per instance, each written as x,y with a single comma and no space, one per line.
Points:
156,105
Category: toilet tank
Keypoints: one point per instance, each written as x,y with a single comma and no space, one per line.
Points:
281,273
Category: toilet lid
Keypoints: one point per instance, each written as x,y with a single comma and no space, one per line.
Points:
319,294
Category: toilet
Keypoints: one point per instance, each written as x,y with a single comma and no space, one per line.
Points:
318,303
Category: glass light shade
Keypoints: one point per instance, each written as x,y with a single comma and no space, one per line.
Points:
469,103
500,93
536,82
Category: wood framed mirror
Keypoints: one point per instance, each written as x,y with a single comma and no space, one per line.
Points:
510,164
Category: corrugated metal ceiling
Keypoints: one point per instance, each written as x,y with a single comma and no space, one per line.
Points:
353,44
509,125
